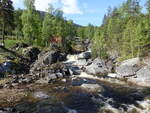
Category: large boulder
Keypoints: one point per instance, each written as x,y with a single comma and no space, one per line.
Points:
128,67
147,61
31,53
98,67
13,68
53,57
142,77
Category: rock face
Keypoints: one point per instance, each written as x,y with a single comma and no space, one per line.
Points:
128,67
45,59
98,67
53,57
31,53
142,77
11,67
135,70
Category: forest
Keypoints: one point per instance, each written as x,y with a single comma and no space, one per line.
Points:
125,29
51,64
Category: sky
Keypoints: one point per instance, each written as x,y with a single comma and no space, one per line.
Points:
82,12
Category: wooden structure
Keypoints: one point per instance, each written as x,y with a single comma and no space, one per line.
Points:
56,40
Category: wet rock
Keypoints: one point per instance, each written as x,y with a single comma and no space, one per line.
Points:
10,67
74,70
98,67
92,87
31,53
128,67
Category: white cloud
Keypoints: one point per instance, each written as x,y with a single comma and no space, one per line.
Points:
68,6
71,7
42,5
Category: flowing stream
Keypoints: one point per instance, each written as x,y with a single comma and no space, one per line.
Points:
67,96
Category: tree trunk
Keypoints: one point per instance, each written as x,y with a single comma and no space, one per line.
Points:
3,34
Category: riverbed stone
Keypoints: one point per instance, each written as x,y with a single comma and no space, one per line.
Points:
53,56
59,75
40,95
92,87
85,55
31,53
142,77
98,67
52,77
128,67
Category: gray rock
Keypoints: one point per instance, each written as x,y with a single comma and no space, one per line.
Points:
41,95
50,58
147,61
53,57
97,67
74,70
128,67
85,55
59,75
142,77
52,77
81,62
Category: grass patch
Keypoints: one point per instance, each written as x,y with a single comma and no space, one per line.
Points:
9,43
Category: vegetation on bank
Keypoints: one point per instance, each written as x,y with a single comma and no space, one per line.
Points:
37,27
124,31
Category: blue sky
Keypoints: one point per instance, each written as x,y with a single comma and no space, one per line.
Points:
81,12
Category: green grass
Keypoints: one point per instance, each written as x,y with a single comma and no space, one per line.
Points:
9,43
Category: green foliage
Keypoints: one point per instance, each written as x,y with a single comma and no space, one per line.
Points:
18,23
125,30
99,46
10,43
31,22
86,32
6,17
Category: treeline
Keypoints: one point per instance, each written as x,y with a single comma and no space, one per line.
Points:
37,27
125,30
